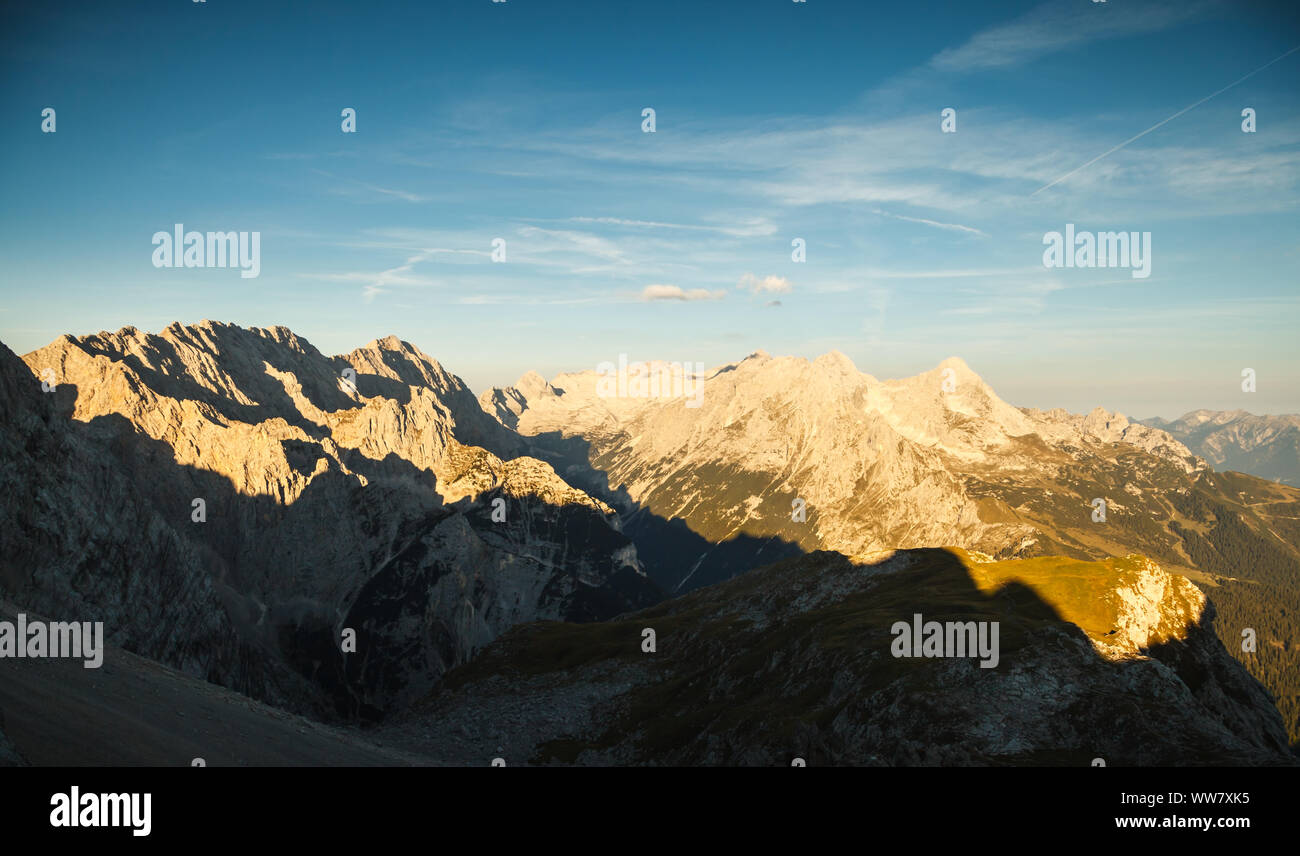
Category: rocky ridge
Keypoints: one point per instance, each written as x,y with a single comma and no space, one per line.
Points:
334,490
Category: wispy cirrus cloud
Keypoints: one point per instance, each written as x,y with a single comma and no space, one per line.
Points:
1164,121
955,227
757,227
399,194
1002,301
1060,25
954,273
382,282
355,188
569,241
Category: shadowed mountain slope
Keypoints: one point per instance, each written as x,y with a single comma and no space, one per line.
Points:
796,660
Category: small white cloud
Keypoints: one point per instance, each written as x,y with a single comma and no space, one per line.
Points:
676,292
766,285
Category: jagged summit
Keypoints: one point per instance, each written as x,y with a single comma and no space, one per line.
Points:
836,360
531,383
390,343
953,372
1103,423
283,335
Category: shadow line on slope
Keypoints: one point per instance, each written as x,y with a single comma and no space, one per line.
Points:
795,660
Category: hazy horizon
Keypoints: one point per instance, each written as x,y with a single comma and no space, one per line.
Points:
479,387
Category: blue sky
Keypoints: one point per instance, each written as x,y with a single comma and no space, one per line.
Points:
774,121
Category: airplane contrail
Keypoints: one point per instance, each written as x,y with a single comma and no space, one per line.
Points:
1164,121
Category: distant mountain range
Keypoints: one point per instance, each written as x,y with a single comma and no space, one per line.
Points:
233,504
933,459
1264,446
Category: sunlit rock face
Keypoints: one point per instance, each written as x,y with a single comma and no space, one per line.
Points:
929,460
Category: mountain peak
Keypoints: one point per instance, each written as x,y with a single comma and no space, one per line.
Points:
835,359
960,368
531,384
1103,423
390,348
282,335
391,343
